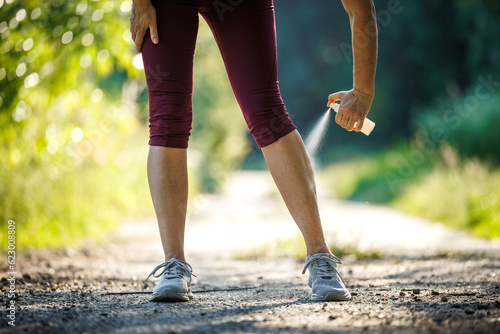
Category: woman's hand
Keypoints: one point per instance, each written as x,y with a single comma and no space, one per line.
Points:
354,106
143,16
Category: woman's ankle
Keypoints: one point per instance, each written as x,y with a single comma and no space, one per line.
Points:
175,255
318,248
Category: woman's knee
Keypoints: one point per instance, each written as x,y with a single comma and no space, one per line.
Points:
268,126
170,127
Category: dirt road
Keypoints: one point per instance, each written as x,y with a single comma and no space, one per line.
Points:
414,288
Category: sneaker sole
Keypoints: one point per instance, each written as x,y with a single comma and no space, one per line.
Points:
171,296
333,296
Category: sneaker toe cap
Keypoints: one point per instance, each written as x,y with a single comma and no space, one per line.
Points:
178,288
330,291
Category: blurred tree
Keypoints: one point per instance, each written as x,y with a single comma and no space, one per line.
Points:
66,130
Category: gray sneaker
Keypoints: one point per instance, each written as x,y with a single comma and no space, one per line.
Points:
175,282
324,278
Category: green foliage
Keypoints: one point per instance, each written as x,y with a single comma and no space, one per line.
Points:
469,124
68,143
460,193
460,190
463,195
50,46
377,177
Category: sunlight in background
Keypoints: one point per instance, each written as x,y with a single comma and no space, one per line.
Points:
138,63
62,128
126,6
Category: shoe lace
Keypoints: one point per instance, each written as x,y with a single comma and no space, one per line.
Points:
325,265
172,268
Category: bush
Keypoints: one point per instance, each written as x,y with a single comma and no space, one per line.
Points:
377,177
469,124
443,187
462,195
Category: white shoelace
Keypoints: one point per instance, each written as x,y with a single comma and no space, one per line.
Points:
325,265
172,268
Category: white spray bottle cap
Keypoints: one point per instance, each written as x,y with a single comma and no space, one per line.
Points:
367,125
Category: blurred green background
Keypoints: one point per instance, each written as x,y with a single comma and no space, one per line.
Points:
74,113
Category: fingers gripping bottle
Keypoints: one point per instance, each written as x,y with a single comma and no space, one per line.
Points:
367,125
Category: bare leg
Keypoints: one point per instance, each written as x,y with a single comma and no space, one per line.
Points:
291,170
168,184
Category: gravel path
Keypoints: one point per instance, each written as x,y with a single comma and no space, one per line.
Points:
413,289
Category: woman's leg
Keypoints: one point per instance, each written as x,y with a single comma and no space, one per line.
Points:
247,41
168,67
291,170
168,184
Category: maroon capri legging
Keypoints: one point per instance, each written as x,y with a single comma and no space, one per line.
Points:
246,35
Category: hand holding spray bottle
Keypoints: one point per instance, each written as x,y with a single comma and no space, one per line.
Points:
367,125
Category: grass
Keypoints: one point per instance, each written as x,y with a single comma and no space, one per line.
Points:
441,186
56,207
377,177
295,248
451,254
463,196
55,204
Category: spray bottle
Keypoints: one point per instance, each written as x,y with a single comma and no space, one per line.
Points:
367,125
